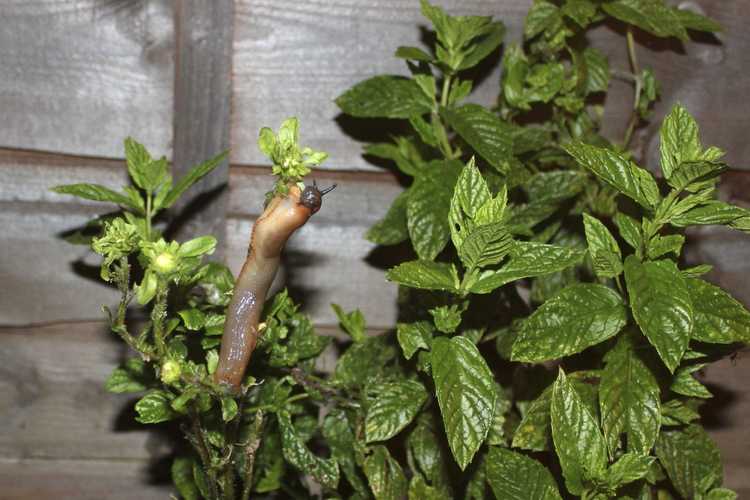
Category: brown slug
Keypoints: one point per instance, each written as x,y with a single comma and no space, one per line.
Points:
282,216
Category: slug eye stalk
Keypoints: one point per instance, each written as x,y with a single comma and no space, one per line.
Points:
282,216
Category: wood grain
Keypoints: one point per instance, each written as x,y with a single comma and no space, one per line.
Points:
203,92
294,58
79,76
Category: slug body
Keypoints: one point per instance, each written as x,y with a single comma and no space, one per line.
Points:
279,220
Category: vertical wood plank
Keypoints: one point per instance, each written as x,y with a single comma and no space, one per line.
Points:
203,89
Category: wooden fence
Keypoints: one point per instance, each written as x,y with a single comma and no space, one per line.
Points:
190,78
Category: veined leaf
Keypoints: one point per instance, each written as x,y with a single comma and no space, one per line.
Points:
385,96
533,432
340,439
629,229
96,192
578,317
661,306
324,470
528,259
617,171
385,476
675,412
578,441
470,193
628,398
392,228
466,394
154,407
425,274
628,468
685,384
597,70
395,406
194,175
649,15
603,248
414,336
514,476
719,318
485,245
478,50
690,458
491,137
714,212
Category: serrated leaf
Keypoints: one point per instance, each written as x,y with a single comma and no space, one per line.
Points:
469,194
194,175
675,412
514,476
396,405
340,439
719,318
714,212
392,228
542,16
414,336
629,229
694,21
96,192
685,384
154,407
385,476
352,322
597,70
649,15
490,137
661,305
721,494
578,441
324,470
690,458
663,245
617,171
182,477
628,398
485,246
385,96
628,468
679,140
479,49
555,186
413,53
692,175
424,274
466,394
528,259
365,361
533,432
603,248
131,377
578,317
420,490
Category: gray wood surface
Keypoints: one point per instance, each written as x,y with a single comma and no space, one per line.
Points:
294,58
79,76
202,108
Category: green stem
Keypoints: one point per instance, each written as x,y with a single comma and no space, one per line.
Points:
158,314
204,453
637,90
250,451
148,216
446,90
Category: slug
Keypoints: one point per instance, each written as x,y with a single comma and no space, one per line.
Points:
282,216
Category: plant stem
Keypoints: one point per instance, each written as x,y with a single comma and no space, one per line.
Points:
204,453
446,90
637,90
158,313
148,216
250,450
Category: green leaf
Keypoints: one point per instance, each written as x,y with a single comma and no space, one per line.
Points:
482,48
649,15
385,96
514,476
597,70
485,246
96,192
542,16
147,289
661,305
628,468
469,195
629,229
340,439
692,175
193,319
425,274
424,446
420,490
131,377
145,172
617,171
203,245
384,474
392,228
352,322
675,412
413,53
365,361
690,458
721,494
212,361
466,394
663,245
396,405
427,208
603,248
414,336
182,477
490,137
719,318
533,432
685,384
628,398
714,212
194,175
324,470
555,186
228,408
404,153
578,441
679,140
697,22
154,407
578,317
528,259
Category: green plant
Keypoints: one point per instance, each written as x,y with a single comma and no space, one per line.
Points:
548,332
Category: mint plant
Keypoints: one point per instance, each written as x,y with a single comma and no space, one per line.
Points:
549,330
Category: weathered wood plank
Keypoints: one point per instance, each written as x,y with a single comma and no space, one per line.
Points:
203,93
31,479
293,58
52,399
80,76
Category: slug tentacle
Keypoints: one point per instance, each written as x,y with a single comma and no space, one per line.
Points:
282,216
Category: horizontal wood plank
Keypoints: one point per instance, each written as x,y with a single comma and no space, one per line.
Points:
80,76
